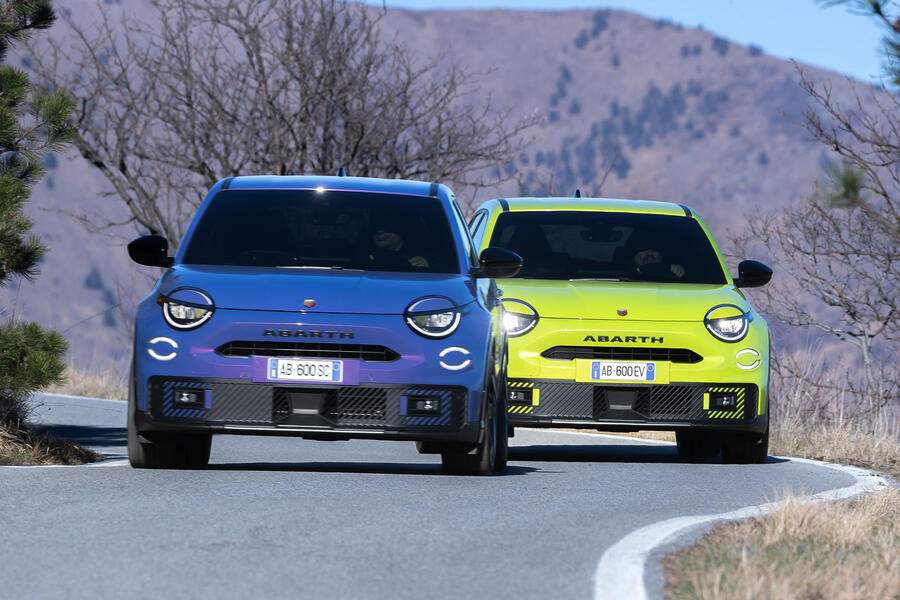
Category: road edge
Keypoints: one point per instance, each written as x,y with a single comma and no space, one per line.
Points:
108,461
622,569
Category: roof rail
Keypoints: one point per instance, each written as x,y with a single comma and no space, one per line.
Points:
341,172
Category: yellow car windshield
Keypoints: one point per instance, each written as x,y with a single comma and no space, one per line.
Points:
604,245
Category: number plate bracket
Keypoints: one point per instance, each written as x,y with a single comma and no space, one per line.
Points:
620,371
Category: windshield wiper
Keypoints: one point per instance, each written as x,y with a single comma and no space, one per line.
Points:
601,279
317,267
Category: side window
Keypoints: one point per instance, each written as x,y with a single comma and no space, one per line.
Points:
467,237
476,226
476,219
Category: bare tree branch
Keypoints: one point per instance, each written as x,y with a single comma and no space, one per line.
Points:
215,88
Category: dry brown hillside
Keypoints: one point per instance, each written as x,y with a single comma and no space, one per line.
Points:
688,117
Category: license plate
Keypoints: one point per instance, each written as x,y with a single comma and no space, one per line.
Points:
608,370
329,371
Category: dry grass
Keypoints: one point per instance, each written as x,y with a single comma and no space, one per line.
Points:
806,551
846,445
664,436
105,385
26,446
838,551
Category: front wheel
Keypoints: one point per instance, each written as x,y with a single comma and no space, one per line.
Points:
502,430
696,444
165,452
170,452
746,449
493,445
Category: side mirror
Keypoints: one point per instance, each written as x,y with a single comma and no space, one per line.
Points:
498,262
752,273
150,250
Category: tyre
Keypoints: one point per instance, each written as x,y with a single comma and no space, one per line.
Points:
136,454
171,452
502,428
483,461
165,452
428,447
746,449
696,444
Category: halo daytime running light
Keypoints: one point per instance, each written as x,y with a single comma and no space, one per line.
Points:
521,320
184,315
433,322
728,329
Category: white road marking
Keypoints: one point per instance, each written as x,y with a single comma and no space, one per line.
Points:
611,436
114,462
70,396
620,572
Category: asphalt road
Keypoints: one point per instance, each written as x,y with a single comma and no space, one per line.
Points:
289,518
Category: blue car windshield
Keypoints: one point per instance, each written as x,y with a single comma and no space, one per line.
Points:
329,229
614,246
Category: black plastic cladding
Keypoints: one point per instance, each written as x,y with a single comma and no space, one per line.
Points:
675,355
371,406
247,348
675,402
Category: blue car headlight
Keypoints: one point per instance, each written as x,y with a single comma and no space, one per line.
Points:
727,322
186,308
433,316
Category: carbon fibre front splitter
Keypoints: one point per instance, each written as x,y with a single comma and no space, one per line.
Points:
148,427
632,407
757,425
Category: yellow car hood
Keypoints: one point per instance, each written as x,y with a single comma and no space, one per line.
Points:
606,299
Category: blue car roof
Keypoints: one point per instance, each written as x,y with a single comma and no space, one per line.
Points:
311,182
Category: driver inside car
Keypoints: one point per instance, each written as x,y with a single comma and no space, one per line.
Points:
651,258
392,250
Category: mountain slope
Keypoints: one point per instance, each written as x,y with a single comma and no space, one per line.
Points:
672,113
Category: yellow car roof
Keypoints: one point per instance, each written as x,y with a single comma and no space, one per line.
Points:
595,204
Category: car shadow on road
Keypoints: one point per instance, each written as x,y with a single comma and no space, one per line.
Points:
365,468
610,453
100,439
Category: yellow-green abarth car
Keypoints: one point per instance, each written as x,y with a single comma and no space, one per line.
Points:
624,317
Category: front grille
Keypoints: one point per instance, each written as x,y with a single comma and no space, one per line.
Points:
675,355
679,402
357,406
670,402
364,352
368,406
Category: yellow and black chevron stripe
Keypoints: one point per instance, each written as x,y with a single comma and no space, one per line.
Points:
737,413
523,409
520,384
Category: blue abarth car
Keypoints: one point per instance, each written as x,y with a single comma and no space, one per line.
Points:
326,308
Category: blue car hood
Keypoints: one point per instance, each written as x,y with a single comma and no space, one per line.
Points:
285,289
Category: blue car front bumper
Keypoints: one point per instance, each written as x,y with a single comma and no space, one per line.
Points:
218,379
